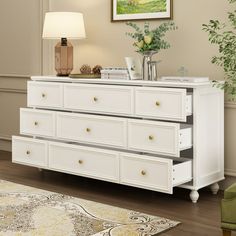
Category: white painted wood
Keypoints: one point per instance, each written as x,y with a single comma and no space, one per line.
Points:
37,122
92,129
208,136
152,172
84,161
157,137
45,95
157,173
123,82
161,103
189,105
182,172
194,196
99,99
215,188
141,131
29,151
185,137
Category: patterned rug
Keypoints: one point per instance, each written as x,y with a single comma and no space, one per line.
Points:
27,211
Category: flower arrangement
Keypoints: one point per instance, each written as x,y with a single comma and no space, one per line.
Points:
147,39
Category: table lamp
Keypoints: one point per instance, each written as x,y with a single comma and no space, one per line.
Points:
64,25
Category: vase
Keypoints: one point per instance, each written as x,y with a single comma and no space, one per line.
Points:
147,66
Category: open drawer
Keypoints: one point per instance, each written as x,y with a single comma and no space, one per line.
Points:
154,173
164,138
163,103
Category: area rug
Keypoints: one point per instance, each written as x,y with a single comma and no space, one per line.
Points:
27,211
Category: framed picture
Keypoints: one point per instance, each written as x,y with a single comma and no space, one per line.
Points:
126,10
134,68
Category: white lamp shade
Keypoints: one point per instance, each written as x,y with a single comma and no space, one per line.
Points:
64,25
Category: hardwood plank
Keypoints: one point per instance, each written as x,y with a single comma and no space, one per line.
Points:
198,219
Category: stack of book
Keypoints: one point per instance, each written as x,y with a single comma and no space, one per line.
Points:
115,73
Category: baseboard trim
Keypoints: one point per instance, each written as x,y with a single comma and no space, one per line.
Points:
230,172
229,180
5,145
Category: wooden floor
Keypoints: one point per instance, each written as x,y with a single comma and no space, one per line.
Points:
198,219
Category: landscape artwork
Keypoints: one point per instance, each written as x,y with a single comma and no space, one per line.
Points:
140,9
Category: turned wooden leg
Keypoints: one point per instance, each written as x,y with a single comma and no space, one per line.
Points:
215,188
226,232
194,195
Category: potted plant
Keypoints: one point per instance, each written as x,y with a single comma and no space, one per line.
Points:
150,41
224,35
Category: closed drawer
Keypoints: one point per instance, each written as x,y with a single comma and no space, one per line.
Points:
37,122
99,98
29,151
158,174
42,94
85,161
163,103
92,129
159,137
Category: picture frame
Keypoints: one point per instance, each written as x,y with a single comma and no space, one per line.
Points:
134,67
128,10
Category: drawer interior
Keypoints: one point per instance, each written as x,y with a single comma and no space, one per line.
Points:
182,172
185,137
189,104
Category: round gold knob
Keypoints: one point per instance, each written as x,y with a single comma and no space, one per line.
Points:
95,99
43,95
151,137
158,104
143,172
88,130
80,162
36,123
28,152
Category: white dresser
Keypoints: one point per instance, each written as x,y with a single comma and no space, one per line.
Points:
150,135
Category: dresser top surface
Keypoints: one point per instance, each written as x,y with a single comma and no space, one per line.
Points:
122,82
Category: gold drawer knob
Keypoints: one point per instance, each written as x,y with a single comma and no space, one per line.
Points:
151,137
43,95
36,123
88,130
95,99
158,104
80,162
143,172
27,152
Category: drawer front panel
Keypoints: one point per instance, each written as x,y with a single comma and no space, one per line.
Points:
41,94
29,151
37,122
102,98
146,172
161,103
84,161
92,129
158,137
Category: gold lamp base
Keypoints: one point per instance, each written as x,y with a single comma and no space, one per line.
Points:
63,58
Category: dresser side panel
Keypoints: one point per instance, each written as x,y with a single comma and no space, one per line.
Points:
208,136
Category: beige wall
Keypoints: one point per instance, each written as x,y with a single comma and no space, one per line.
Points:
106,44
20,57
